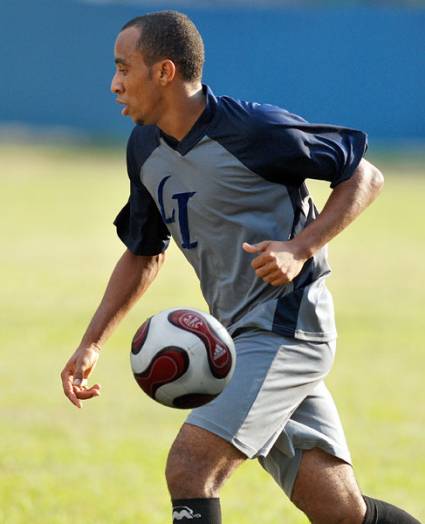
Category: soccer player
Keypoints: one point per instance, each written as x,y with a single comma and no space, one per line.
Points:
226,179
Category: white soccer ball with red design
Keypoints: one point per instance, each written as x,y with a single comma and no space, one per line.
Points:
182,358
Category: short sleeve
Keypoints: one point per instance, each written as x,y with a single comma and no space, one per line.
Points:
139,223
319,152
287,149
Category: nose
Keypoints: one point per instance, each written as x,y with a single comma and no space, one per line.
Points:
116,85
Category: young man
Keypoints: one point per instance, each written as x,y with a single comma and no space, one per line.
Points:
226,179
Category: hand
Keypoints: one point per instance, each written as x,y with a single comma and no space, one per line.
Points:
277,263
75,373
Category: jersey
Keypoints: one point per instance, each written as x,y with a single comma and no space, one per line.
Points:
239,175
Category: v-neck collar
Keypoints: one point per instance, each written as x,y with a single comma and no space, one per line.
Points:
199,127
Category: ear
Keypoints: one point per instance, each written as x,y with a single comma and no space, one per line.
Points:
166,71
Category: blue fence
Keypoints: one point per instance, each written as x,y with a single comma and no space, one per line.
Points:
358,66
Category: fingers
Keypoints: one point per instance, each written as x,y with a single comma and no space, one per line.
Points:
276,278
68,387
275,261
264,256
74,376
83,393
264,260
266,269
266,264
75,393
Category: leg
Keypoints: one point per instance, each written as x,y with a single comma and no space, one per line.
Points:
311,462
243,421
326,490
199,462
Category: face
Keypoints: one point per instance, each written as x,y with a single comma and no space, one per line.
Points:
134,83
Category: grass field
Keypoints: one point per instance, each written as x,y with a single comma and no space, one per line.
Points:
104,464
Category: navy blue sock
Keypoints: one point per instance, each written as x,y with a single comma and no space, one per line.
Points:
201,511
379,512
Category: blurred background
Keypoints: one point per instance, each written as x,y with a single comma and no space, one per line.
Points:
62,181
357,63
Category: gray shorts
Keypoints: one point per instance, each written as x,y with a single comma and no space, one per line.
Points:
277,404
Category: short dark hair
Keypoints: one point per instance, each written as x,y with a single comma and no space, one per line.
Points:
170,34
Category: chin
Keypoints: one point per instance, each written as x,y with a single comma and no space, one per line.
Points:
138,120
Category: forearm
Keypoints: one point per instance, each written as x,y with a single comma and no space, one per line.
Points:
129,280
344,205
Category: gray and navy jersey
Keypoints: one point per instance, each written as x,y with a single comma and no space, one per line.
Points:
239,176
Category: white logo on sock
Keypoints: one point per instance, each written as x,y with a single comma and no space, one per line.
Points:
184,512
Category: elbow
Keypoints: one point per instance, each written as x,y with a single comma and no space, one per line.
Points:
141,262
160,259
373,178
156,262
377,180
153,261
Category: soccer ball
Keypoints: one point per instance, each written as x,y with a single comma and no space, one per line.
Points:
182,358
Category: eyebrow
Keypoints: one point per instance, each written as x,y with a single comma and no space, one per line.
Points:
120,61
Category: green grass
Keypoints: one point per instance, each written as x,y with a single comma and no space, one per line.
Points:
104,464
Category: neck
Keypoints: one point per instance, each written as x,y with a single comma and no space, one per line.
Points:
185,105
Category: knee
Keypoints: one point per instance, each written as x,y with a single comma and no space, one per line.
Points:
199,463
326,490
186,474
337,514
337,508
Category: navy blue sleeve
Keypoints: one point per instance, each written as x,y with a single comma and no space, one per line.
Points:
284,148
139,223
297,150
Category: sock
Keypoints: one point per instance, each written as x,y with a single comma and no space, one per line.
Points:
201,511
379,512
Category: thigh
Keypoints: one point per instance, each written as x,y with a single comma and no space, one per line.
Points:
273,376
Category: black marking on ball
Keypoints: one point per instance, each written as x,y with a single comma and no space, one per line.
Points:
192,400
140,337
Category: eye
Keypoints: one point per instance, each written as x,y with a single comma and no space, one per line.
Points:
121,70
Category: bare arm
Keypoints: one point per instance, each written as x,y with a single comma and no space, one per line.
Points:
278,262
129,280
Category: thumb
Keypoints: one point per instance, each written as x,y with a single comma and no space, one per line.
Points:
83,369
255,248
79,382
80,376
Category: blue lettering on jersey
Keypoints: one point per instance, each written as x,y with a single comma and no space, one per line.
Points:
182,201
167,220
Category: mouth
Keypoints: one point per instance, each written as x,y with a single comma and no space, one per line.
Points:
124,110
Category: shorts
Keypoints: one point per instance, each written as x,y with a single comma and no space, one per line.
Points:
276,404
